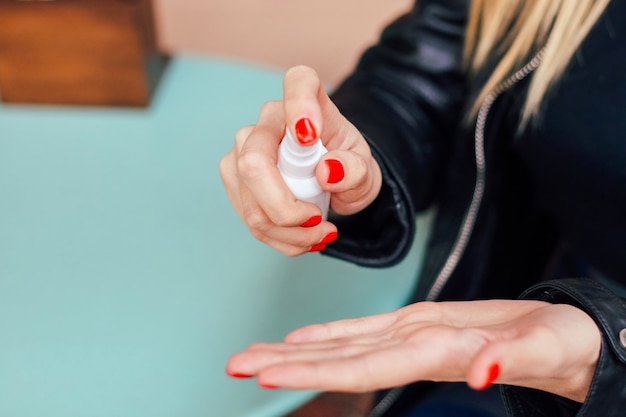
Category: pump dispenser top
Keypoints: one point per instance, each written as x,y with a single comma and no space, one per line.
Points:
296,163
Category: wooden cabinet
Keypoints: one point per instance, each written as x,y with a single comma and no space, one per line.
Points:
79,52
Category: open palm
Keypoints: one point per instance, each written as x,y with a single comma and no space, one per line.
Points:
552,347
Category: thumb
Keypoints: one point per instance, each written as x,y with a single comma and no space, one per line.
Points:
303,94
518,360
354,180
557,352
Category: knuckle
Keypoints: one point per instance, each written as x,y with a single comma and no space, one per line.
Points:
241,135
301,241
285,219
225,165
250,164
422,311
269,108
360,165
293,251
359,170
544,333
257,222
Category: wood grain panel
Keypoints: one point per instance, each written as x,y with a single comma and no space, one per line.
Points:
93,52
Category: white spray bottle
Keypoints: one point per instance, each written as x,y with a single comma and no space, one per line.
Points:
296,163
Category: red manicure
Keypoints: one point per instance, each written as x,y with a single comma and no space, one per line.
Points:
268,386
335,171
331,237
318,247
492,375
238,375
313,221
305,131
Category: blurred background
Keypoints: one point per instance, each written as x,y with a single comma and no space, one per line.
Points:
113,52
122,286
328,35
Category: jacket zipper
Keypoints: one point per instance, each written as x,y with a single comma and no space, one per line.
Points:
469,220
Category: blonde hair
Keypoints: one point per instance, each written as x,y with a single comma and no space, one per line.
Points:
516,29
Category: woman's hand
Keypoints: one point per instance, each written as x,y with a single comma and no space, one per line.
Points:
552,347
254,184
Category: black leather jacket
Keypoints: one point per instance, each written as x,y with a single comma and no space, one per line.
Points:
408,96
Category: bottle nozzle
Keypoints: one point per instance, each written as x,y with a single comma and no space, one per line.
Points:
299,160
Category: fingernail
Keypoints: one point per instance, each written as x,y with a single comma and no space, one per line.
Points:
492,375
318,247
268,386
305,131
313,221
335,171
330,237
238,375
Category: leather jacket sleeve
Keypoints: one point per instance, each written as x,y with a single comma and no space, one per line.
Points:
607,394
405,96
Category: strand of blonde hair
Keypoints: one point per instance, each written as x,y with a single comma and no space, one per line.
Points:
515,29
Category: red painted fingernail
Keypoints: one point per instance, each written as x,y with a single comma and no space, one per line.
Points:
239,375
492,375
335,171
331,237
313,221
318,247
268,386
305,131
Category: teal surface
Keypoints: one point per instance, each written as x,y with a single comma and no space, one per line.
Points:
126,279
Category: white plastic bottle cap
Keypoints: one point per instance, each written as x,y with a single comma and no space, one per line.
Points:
296,163
297,160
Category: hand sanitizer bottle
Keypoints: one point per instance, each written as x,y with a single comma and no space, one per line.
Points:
296,163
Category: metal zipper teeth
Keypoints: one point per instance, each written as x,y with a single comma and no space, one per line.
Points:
471,215
472,212
386,402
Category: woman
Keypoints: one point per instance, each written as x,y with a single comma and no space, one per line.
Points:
507,117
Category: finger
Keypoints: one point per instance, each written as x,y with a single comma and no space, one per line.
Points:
241,135
302,93
256,166
228,169
228,174
311,114
517,358
419,314
378,339
353,179
413,352
247,205
295,241
258,357
289,240
341,328
367,371
264,230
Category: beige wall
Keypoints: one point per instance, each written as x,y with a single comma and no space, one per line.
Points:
325,34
